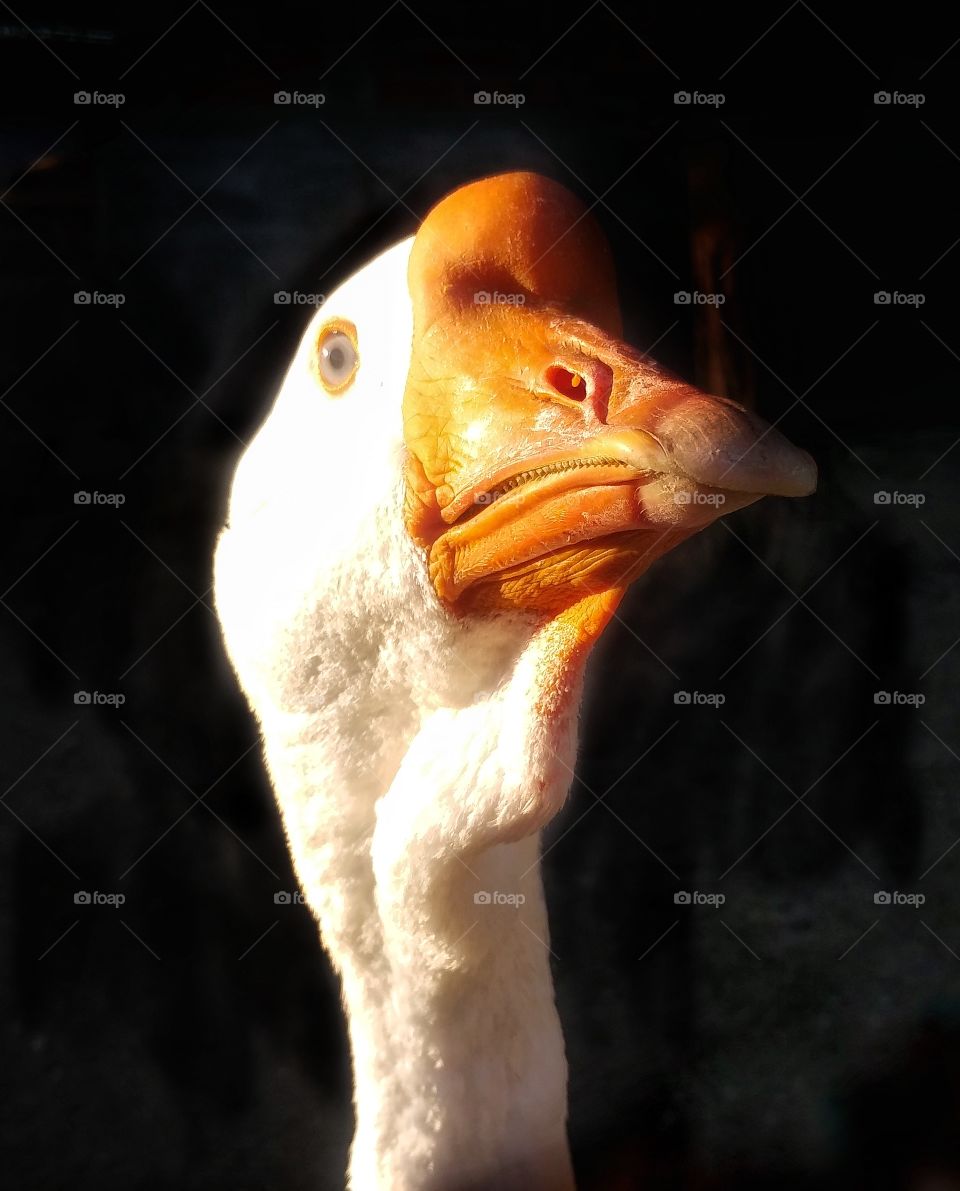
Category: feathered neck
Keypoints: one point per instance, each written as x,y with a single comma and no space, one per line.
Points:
415,757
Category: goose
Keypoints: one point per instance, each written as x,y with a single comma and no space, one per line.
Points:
464,469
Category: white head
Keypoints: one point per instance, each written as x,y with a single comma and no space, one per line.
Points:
327,607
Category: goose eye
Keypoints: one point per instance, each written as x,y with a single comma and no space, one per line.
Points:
337,360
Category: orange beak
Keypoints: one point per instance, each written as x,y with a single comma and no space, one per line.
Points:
548,460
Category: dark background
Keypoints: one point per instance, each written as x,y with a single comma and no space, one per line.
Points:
799,1036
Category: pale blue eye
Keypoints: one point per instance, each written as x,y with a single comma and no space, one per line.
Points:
337,359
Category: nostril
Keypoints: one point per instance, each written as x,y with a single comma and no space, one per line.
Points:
567,383
590,382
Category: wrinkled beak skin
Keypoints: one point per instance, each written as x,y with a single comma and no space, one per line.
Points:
547,459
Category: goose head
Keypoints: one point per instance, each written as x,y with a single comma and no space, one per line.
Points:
463,432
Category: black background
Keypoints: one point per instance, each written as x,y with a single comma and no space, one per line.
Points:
801,1035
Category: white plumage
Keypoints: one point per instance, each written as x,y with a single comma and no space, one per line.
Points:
401,743
417,742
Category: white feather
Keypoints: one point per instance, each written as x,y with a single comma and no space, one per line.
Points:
411,773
